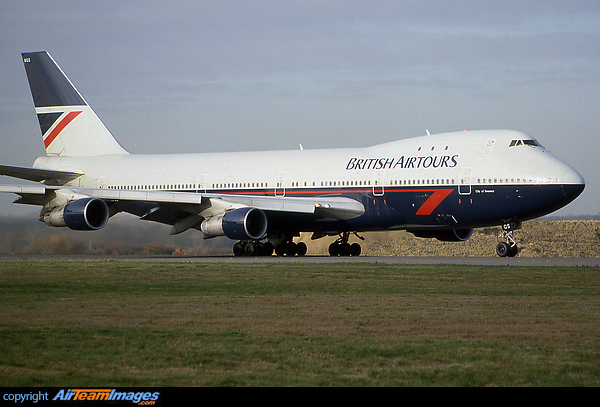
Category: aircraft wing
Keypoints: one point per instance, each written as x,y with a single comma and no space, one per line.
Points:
182,209
210,204
39,175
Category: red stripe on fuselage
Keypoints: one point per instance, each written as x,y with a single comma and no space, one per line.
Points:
59,127
433,201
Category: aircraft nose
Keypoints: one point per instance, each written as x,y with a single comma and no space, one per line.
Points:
573,184
572,191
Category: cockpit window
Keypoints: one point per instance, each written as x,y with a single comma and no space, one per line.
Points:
531,142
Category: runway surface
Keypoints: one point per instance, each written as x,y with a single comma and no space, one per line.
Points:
485,261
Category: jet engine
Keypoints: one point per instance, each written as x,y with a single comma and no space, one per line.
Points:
446,235
238,224
82,214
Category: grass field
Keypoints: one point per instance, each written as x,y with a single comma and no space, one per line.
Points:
111,323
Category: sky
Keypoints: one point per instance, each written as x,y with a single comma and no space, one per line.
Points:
209,76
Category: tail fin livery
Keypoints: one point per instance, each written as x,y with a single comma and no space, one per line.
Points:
69,126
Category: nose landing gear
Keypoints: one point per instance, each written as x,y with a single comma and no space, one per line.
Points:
507,246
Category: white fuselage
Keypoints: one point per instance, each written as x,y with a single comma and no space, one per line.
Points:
468,158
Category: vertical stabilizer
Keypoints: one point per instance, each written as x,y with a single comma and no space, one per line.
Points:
69,126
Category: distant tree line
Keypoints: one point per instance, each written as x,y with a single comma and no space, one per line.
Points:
123,235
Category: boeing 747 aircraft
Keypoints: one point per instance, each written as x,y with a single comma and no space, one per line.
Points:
435,186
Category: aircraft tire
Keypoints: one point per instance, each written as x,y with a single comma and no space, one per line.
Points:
290,249
502,249
238,249
250,249
355,249
267,249
301,249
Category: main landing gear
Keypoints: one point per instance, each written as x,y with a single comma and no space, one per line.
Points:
257,248
341,247
507,246
283,245
252,248
291,249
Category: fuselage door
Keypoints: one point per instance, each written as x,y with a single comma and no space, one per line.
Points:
488,147
378,189
280,184
464,182
201,183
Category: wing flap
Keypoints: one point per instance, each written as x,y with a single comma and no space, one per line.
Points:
24,189
327,207
142,196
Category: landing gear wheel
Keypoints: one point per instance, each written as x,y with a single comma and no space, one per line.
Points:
334,249
238,249
267,249
290,249
301,249
506,250
280,250
355,249
502,249
250,249
508,246
286,247
341,247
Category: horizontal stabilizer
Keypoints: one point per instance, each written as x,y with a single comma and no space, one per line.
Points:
39,175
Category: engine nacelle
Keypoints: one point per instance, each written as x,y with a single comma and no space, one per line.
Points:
82,214
446,235
238,224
